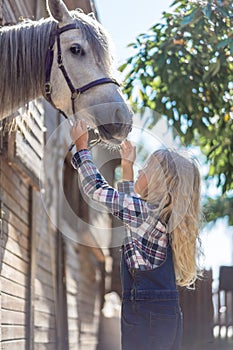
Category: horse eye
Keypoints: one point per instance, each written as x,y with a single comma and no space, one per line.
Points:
77,50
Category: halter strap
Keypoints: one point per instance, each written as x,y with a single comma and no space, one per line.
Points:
66,27
95,83
75,92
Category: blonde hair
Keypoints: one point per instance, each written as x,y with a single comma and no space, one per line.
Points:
174,189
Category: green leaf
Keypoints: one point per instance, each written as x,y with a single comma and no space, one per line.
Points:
123,66
207,11
224,43
231,46
187,20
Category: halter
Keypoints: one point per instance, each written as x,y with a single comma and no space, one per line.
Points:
75,92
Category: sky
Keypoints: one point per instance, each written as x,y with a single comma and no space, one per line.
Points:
125,19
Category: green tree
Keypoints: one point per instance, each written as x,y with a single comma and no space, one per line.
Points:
183,69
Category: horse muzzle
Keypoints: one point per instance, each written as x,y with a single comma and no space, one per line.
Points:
114,133
114,121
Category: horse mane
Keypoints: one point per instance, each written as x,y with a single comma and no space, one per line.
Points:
23,50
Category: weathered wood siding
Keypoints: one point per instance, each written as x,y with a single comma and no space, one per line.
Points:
83,315
15,258
43,298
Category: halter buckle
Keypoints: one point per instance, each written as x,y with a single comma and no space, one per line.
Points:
75,94
48,88
59,60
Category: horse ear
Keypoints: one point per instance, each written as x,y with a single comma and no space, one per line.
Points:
58,10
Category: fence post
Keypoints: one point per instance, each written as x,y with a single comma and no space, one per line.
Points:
197,308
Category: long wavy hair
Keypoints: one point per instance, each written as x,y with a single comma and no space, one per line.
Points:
174,188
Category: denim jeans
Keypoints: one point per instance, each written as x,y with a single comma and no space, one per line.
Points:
151,318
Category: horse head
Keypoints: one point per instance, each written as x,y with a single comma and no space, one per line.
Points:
79,74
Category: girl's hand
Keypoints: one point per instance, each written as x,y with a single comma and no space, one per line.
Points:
127,152
79,135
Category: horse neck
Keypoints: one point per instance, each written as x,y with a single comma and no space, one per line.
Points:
23,50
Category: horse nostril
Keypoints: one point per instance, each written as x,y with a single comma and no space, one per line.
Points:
107,130
129,128
117,131
118,126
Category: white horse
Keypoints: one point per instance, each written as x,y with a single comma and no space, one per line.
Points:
67,59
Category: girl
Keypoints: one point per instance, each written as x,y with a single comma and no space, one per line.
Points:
160,212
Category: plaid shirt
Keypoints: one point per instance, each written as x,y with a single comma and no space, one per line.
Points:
146,242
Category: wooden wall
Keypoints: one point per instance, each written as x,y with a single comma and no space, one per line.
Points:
15,258
52,283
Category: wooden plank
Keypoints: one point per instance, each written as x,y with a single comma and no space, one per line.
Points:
38,111
73,324
13,332
15,303
17,224
48,346
13,317
29,139
27,122
72,286
45,335
27,155
45,305
14,191
11,274
73,337
8,16
13,246
12,288
15,207
19,208
72,311
44,276
18,344
20,9
32,179
44,249
20,184
23,159
20,237
74,346
72,299
44,261
44,320
41,289
11,259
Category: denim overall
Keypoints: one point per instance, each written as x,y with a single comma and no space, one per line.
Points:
151,317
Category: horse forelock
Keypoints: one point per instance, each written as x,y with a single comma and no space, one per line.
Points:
97,37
